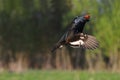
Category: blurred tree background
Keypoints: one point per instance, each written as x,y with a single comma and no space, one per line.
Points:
30,28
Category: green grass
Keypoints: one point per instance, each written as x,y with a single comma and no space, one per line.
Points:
59,75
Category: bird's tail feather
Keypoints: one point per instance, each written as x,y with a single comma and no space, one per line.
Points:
55,47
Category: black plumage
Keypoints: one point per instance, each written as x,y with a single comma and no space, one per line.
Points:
74,36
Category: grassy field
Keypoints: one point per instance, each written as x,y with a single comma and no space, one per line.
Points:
59,75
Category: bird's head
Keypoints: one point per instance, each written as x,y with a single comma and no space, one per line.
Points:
84,18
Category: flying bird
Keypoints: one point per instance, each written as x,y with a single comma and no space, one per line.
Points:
75,37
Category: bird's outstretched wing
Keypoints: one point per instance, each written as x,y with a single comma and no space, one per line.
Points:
90,43
85,41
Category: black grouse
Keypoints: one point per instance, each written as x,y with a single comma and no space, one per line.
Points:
75,37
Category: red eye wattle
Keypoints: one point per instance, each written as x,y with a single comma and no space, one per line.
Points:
87,16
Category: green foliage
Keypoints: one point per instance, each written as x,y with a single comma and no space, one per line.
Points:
30,20
107,27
